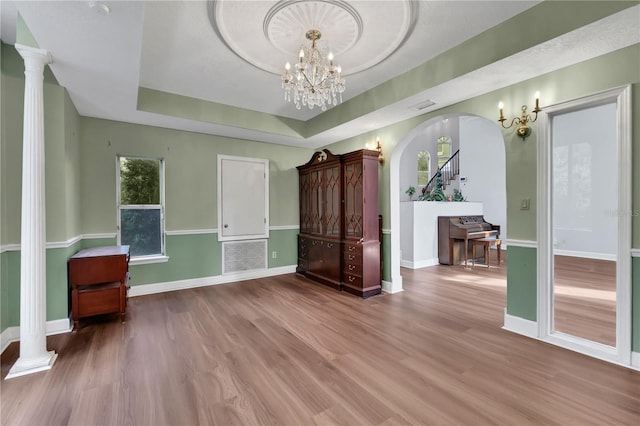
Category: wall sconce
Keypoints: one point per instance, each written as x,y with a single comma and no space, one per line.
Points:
523,130
379,149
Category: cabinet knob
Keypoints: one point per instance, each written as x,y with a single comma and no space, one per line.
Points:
351,257
226,226
351,279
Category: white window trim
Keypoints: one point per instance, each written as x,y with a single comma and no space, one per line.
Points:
155,258
145,260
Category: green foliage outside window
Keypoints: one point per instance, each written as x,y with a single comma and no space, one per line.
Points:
140,227
141,230
139,181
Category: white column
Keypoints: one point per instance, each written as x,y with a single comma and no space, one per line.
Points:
33,284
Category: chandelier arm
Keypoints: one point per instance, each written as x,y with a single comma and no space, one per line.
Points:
308,81
314,86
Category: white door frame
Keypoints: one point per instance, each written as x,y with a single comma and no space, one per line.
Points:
621,354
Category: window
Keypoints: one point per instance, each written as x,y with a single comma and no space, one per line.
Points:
444,150
424,160
140,205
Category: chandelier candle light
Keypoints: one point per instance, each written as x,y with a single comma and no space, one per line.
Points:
316,81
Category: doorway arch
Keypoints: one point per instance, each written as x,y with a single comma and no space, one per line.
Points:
490,140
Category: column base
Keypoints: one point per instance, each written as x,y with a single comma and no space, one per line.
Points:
393,286
23,366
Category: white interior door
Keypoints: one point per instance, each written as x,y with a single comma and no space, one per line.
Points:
243,201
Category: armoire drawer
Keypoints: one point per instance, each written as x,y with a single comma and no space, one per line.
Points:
353,248
353,268
352,258
352,280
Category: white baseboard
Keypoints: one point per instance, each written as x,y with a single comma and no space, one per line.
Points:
419,264
9,335
584,254
520,325
142,290
12,334
392,286
529,328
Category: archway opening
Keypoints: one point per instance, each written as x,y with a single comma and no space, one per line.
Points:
481,179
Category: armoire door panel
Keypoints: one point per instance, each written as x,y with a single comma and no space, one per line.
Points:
305,204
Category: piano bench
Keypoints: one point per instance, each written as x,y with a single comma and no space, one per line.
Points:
486,244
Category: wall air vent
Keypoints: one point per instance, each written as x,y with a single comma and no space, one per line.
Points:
422,105
242,256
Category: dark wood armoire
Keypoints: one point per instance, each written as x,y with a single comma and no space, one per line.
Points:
339,243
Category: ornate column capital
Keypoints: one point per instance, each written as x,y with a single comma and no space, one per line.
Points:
34,57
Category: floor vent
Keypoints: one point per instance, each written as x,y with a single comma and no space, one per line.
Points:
241,256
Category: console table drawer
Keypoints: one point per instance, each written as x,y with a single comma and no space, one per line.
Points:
99,299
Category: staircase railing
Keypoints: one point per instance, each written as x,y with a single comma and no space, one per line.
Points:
448,171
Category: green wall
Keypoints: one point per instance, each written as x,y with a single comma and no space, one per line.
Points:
285,244
57,290
60,116
522,289
190,173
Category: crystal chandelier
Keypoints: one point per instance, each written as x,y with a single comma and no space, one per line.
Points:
316,81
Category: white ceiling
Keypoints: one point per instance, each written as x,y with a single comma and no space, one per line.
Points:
172,46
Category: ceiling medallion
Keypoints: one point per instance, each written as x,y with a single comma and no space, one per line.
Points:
316,81
267,34
288,21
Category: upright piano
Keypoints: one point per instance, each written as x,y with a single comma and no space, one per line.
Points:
454,234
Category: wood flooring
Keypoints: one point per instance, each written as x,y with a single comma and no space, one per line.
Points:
286,351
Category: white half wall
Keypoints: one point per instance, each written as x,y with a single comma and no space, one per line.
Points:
419,238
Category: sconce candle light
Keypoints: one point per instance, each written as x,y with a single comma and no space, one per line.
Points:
523,130
379,149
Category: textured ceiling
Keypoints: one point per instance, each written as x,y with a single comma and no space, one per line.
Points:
218,52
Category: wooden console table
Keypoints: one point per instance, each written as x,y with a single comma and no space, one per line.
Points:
99,280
